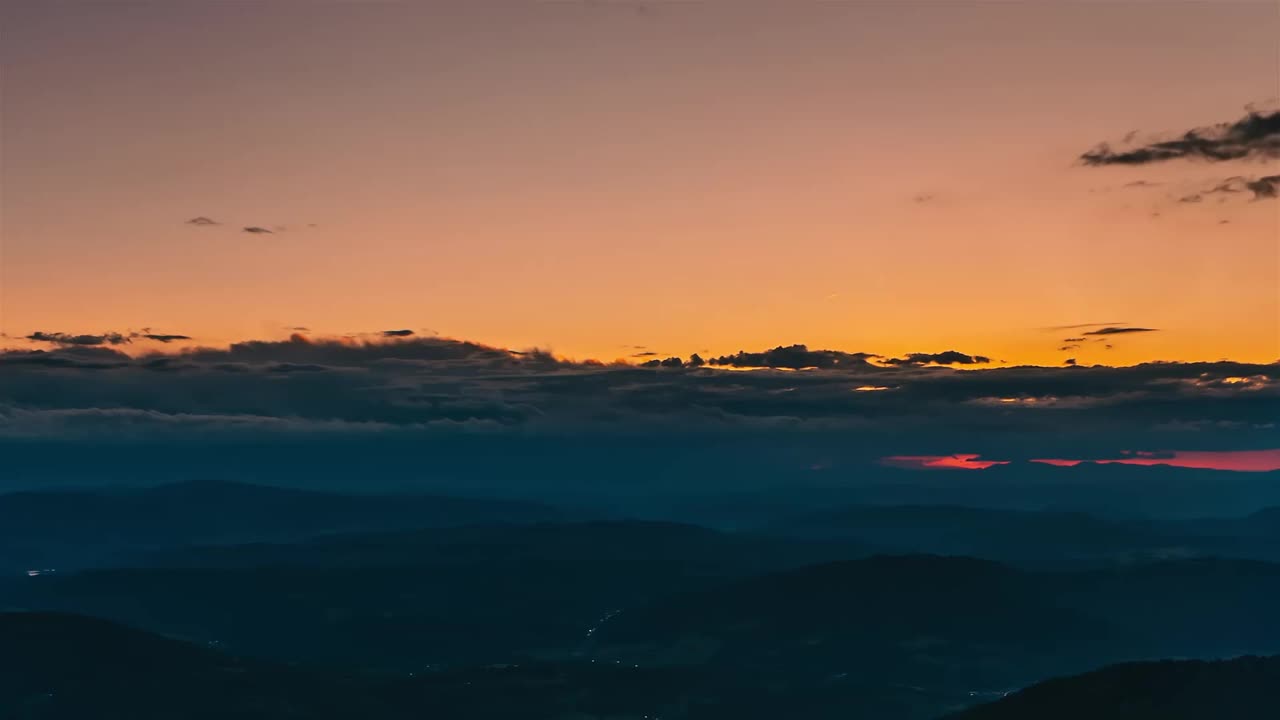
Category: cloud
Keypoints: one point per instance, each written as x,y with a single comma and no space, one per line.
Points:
1255,135
1084,325
396,333
110,338
1266,187
418,410
949,357
794,357
256,230
1073,340
202,221
1069,361
1121,330
59,338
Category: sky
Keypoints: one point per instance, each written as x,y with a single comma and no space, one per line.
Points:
631,244
606,179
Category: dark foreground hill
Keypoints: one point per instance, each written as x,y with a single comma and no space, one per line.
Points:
1247,688
65,667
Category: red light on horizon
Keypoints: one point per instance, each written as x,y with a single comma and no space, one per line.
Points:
1234,460
958,461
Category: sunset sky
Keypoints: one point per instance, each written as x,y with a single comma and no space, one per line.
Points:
610,178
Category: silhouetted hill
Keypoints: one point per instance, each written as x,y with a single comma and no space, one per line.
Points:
938,621
409,599
81,528
1246,688
1029,538
64,667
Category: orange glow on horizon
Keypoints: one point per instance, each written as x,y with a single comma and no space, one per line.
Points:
958,461
1235,460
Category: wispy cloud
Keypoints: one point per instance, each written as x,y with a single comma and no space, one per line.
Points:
1255,135
1121,330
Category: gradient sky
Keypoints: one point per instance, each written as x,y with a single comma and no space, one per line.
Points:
593,176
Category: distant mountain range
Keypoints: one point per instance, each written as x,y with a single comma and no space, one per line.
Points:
290,603
1038,539
64,529
414,598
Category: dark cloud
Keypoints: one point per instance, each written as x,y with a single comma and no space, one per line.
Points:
1254,135
794,357
949,357
1069,361
671,362
255,230
1266,187
1121,330
396,333
1073,340
60,338
428,409
203,221
111,338
646,353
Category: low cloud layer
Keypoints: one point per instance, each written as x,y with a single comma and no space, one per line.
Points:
300,396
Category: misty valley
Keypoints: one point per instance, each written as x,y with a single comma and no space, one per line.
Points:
207,599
